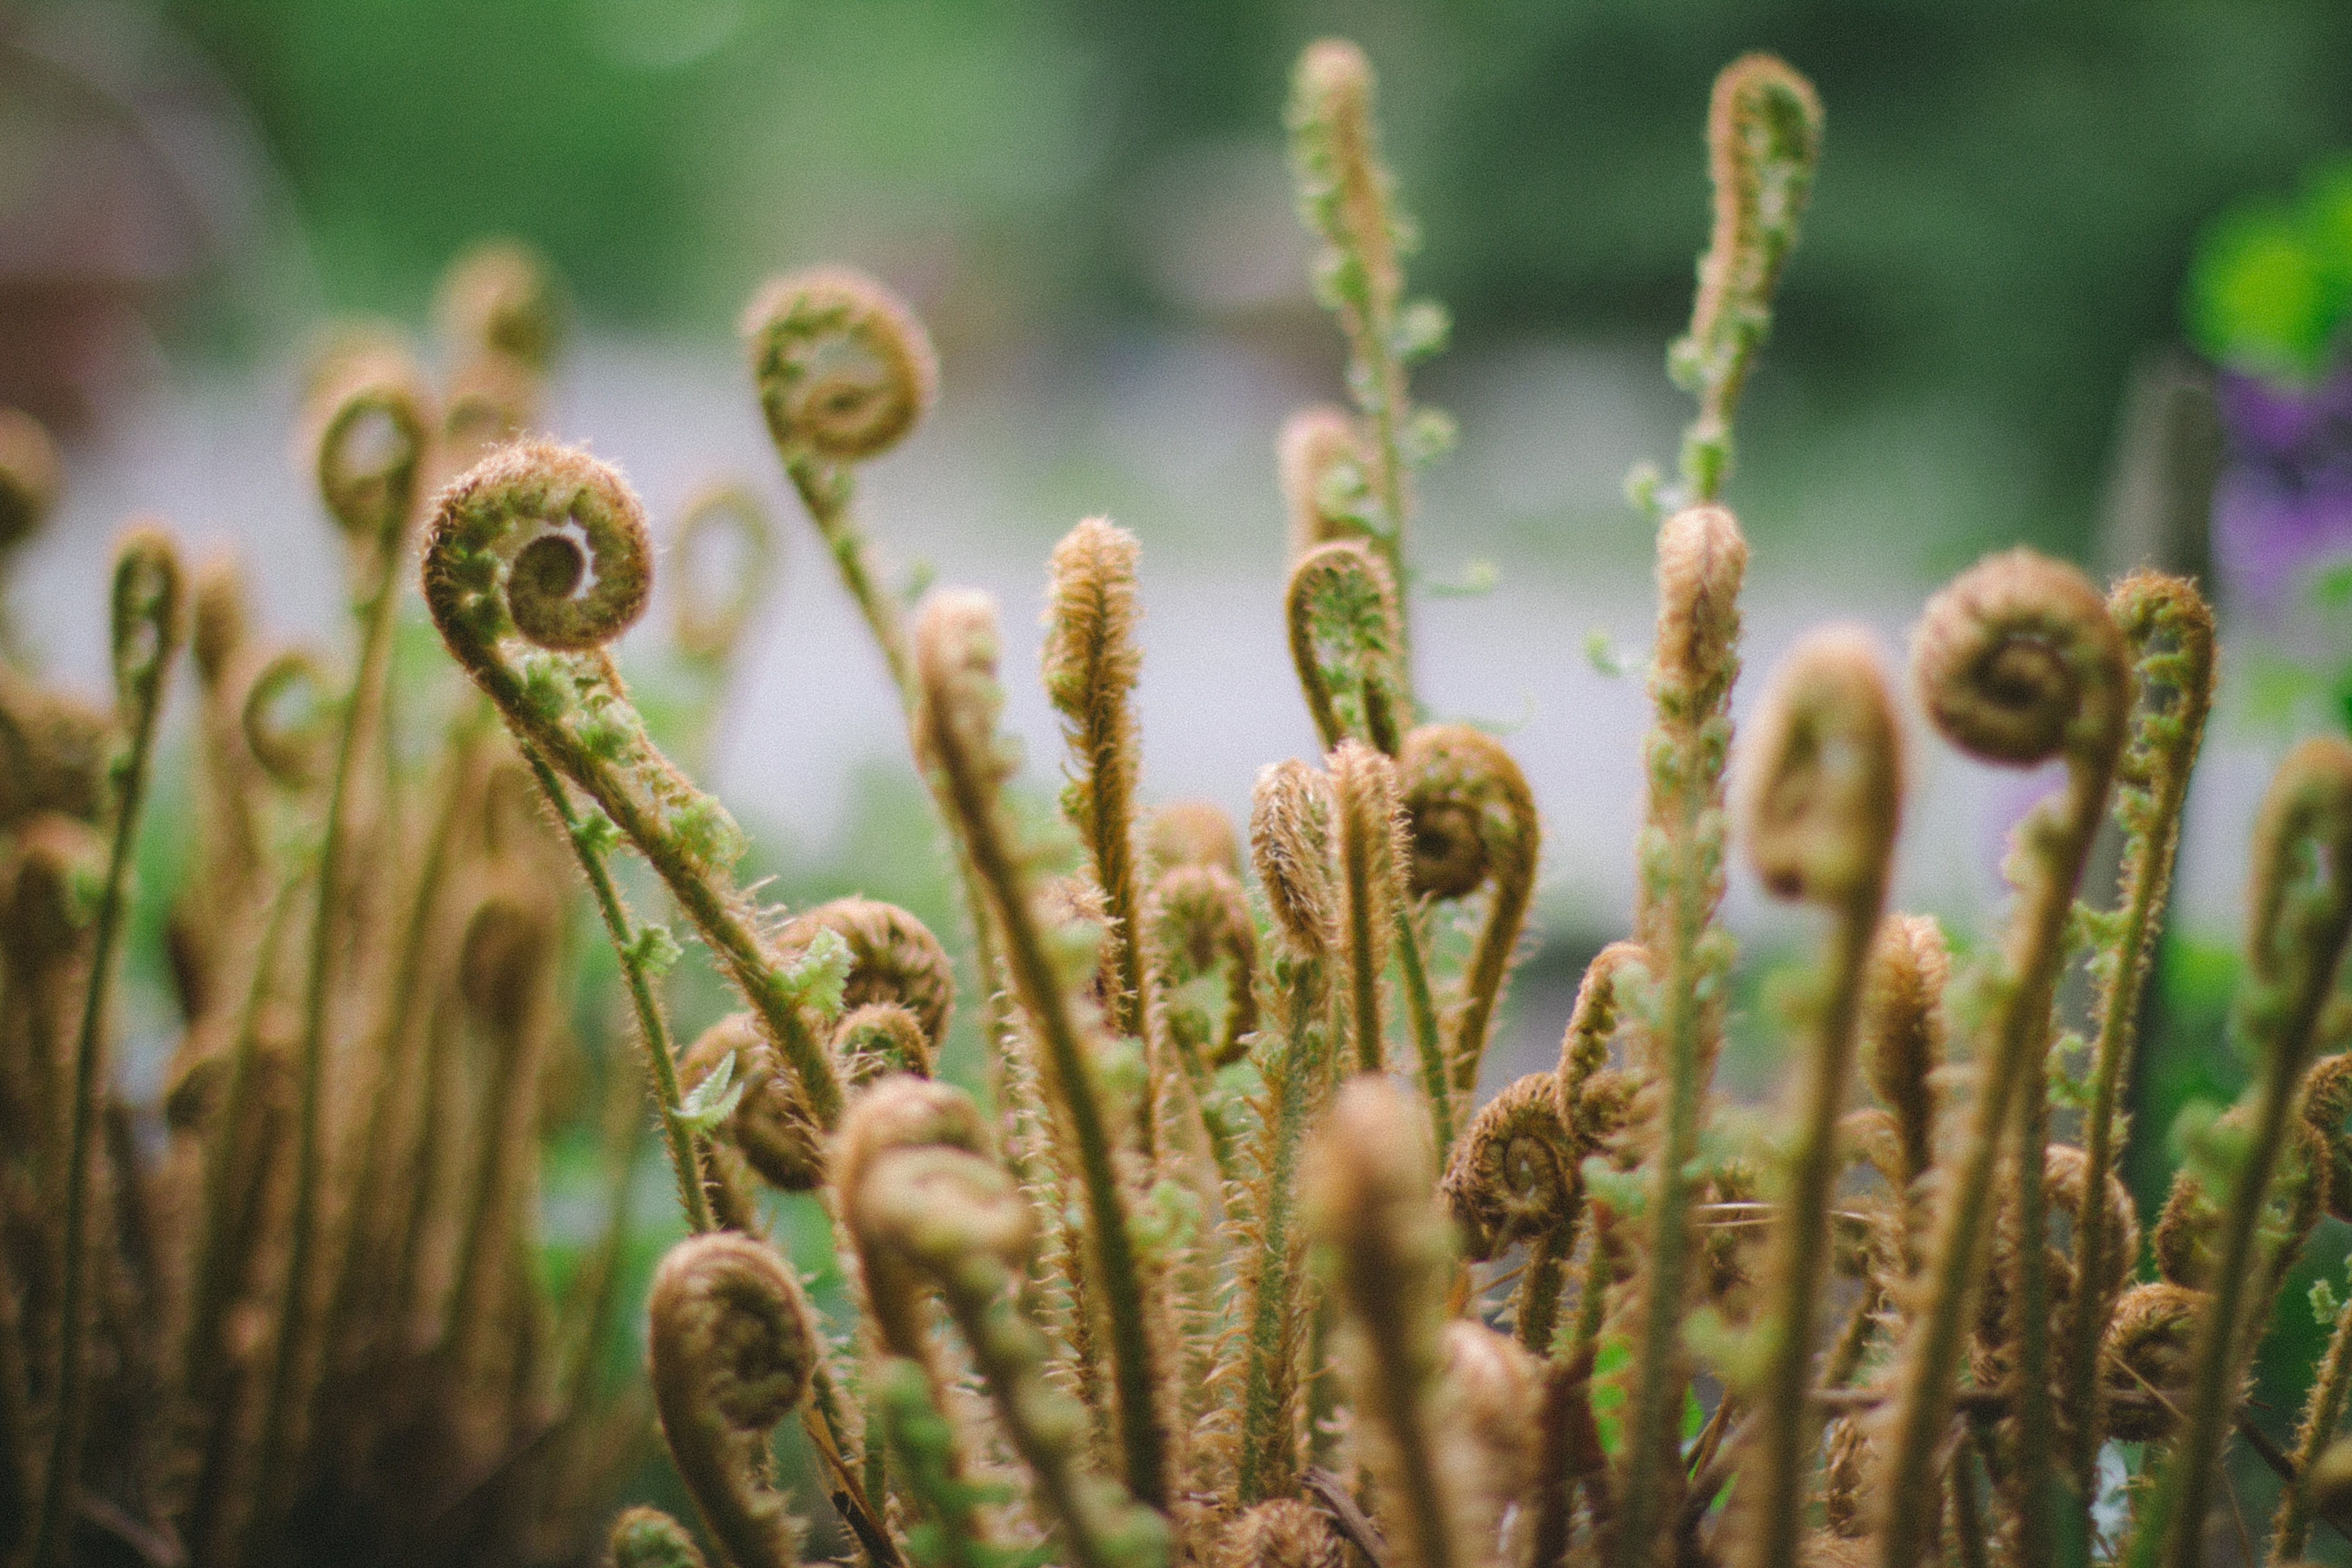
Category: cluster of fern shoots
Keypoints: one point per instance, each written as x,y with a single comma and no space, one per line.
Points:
1224,1262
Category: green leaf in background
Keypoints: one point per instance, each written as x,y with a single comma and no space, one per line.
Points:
2270,285
1611,1359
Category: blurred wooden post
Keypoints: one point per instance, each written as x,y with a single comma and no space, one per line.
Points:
2159,510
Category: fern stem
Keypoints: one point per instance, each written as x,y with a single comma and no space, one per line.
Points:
957,658
1269,1437
2323,1412
145,634
2162,751
1429,1045
295,1326
685,1148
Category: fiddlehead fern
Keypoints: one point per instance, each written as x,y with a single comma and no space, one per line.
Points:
146,627
1496,1388
881,1037
1903,1034
1474,823
898,990
285,719
1763,139
1348,203
1825,784
1347,644
541,541
1514,1178
1369,1196
1592,1022
372,442
924,1203
2169,631
1595,1102
545,545
2299,903
1091,663
898,1114
220,625
2148,1346
770,1132
502,296
1292,834
2326,1107
1701,560
1191,832
955,651
2190,1228
1197,922
1823,790
2017,661
1197,919
648,1538
1324,477
1369,817
1341,608
893,958
709,629
843,371
907,1398
501,311
1292,837
733,1352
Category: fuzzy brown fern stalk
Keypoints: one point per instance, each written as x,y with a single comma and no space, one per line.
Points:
2299,903
1369,1186
1362,476
1823,788
1221,1259
1701,560
2017,662
1291,846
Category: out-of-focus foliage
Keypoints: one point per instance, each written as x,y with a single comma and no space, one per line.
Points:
2009,204
2272,285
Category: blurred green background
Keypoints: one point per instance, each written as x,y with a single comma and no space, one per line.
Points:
2008,199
